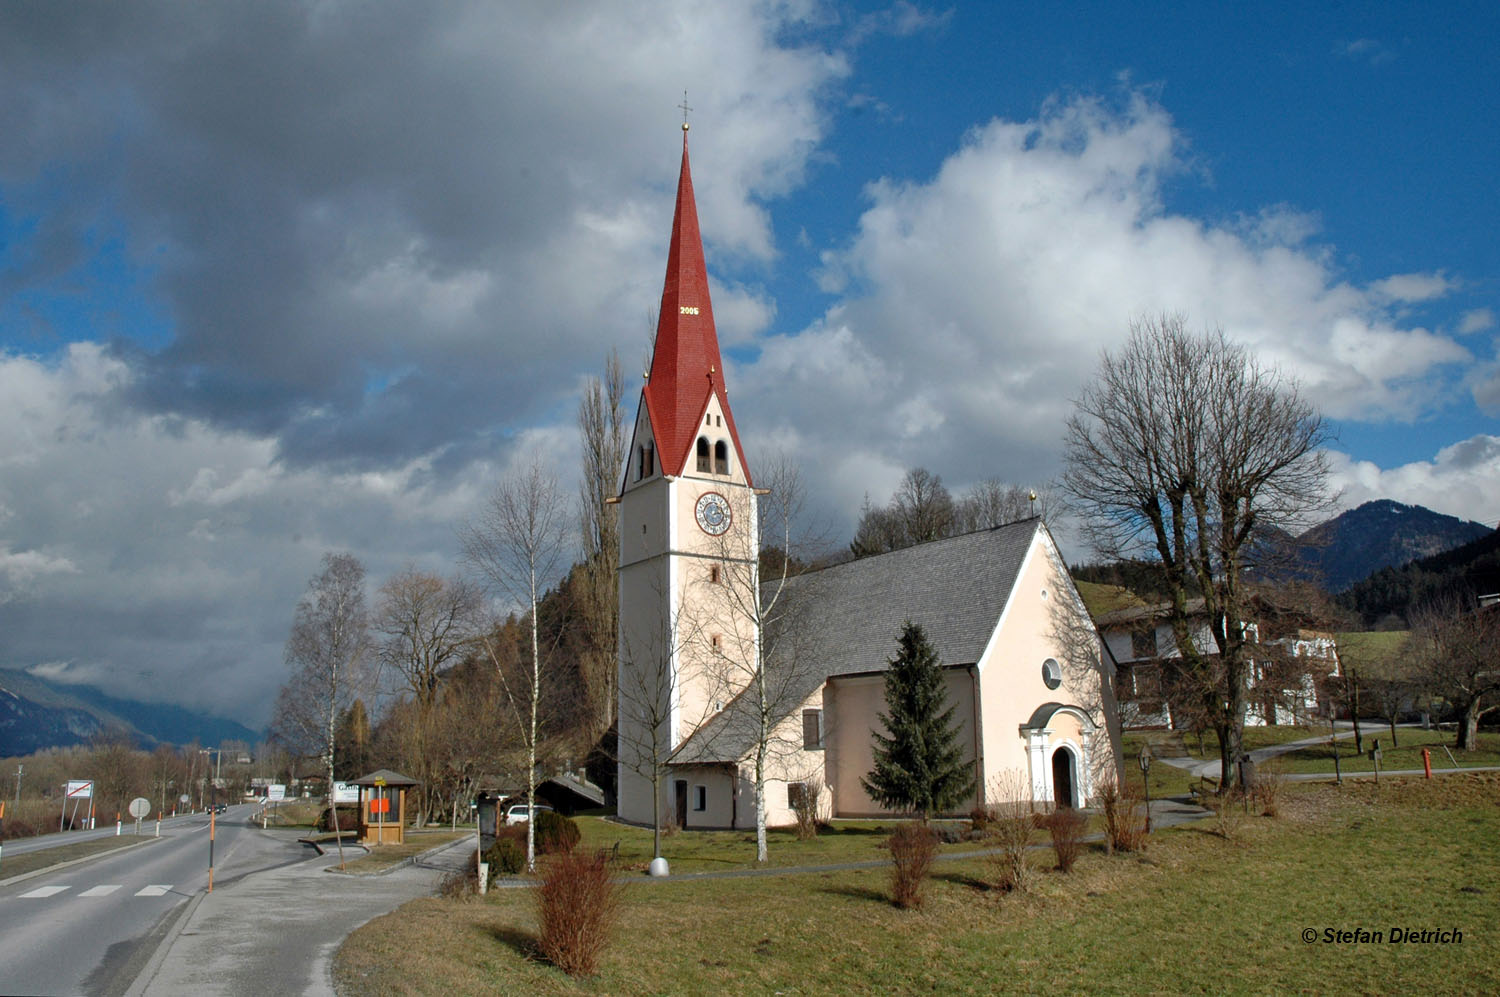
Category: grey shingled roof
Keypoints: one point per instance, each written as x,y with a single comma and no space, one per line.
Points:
845,620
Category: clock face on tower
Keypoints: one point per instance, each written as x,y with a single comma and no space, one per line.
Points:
712,513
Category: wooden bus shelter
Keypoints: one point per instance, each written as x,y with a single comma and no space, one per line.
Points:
382,807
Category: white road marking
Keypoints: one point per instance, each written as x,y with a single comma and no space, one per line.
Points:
155,891
44,891
101,891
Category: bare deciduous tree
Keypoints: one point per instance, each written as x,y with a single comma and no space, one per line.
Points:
1184,449
763,673
920,510
992,502
1460,648
648,694
602,429
517,544
426,623
327,652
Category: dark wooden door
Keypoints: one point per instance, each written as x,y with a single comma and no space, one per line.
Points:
1062,777
681,788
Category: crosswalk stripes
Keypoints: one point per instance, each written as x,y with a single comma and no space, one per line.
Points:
102,890
42,892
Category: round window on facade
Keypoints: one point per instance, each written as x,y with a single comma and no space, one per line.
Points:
1052,673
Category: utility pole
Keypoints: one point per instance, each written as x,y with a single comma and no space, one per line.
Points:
20,771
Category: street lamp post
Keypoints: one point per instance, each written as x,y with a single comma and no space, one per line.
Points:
1145,761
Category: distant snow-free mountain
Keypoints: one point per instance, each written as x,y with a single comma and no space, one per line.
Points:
36,713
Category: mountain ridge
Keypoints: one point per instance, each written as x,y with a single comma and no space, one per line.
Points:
37,713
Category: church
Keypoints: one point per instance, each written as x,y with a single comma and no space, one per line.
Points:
724,673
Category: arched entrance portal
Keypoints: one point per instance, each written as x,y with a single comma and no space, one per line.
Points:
1062,778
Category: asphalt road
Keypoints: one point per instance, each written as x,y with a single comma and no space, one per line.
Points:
90,928
20,846
276,932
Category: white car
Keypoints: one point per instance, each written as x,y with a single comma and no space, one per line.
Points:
519,813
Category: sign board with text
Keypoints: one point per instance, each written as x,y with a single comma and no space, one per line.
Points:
276,791
345,792
80,789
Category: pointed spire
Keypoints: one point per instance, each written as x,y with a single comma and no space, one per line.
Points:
685,365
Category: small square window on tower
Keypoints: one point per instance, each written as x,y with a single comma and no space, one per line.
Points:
713,574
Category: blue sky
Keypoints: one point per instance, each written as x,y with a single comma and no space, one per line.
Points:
282,279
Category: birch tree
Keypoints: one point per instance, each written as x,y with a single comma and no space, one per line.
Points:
758,661
516,544
327,652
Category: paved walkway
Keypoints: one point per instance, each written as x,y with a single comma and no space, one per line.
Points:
1210,768
276,932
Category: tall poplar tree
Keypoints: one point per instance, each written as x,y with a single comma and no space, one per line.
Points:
920,767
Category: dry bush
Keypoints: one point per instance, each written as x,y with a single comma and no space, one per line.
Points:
1066,827
31,817
1229,813
1270,780
913,849
805,806
1124,826
1009,830
577,904
461,884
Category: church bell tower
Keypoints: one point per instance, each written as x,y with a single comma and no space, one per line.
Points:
688,532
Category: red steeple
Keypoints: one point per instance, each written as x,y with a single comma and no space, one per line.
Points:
685,367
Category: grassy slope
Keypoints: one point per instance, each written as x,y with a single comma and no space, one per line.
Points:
1201,915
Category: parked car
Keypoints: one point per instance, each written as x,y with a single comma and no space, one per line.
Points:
518,813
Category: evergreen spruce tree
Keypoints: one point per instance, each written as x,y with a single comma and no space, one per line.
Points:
920,767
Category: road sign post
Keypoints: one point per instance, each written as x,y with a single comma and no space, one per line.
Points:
380,802
140,807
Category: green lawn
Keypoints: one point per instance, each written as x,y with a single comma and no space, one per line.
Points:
385,856
718,851
1319,758
1197,914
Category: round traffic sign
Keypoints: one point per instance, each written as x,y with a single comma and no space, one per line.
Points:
140,807
184,798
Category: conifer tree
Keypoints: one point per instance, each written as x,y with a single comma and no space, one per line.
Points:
920,767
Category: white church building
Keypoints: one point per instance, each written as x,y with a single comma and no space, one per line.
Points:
722,671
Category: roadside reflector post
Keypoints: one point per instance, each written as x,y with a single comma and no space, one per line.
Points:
211,829
1427,763
117,823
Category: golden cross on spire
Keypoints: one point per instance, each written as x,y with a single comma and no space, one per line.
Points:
685,110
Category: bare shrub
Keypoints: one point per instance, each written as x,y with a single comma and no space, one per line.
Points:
1270,780
913,849
1009,830
577,903
1066,827
1229,813
461,884
1124,826
805,806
